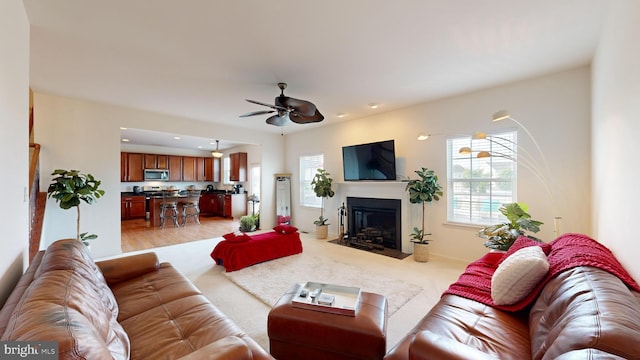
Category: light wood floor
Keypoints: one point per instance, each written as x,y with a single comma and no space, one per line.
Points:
137,234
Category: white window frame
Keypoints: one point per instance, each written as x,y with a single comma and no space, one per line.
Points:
309,164
477,187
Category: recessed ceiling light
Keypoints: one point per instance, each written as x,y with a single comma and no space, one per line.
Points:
340,115
125,140
176,137
199,146
123,128
373,106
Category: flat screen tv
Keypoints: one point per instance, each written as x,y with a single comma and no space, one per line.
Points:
373,161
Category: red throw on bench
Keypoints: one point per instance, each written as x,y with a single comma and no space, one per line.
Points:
235,253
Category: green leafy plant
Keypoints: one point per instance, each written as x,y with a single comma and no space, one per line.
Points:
321,186
321,221
422,191
247,223
70,188
502,236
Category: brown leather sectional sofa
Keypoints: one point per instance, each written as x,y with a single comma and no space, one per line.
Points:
582,313
127,307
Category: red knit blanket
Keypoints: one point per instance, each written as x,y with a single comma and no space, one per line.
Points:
566,252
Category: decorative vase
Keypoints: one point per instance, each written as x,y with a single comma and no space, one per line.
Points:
420,252
322,231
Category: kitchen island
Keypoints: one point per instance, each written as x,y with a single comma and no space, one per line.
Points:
227,205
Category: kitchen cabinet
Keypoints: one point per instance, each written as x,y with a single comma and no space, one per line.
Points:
238,166
132,207
188,168
200,169
181,168
154,161
227,206
175,168
206,205
215,204
131,167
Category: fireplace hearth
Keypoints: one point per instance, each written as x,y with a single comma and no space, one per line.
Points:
374,223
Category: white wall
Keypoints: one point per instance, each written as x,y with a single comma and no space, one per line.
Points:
616,125
86,136
14,138
555,108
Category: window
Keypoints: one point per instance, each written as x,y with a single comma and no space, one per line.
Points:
226,170
308,167
481,180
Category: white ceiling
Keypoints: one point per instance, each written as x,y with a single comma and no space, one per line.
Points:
201,58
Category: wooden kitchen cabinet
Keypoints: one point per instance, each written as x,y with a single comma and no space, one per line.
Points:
200,169
188,168
175,168
132,207
162,162
238,166
154,161
206,206
131,167
215,204
227,206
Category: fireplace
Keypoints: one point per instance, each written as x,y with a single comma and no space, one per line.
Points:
375,221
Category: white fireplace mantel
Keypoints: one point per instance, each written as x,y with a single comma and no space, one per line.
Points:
382,190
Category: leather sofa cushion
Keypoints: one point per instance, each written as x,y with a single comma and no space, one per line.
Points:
588,309
167,317
68,301
477,328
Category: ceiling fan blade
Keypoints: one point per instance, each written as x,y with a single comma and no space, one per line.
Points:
301,119
278,120
303,107
267,105
259,112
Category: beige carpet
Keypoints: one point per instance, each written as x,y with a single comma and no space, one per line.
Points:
269,280
250,313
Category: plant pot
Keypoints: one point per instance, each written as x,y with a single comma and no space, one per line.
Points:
420,252
322,231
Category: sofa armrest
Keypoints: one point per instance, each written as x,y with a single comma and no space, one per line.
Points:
227,348
429,345
128,267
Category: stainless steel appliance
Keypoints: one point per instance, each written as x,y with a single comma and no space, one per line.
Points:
150,191
156,175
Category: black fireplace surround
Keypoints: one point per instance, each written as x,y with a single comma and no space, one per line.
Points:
375,221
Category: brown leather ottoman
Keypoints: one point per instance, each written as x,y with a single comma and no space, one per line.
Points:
296,333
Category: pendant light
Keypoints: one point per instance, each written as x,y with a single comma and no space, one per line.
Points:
217,153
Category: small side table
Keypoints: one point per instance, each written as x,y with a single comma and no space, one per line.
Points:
296,333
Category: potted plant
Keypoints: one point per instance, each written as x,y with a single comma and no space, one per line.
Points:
422,191
247,223
321,186
69,188
502,236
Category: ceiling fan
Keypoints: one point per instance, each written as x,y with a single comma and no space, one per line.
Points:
288,109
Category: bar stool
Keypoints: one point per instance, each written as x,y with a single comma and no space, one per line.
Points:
169,208
191,207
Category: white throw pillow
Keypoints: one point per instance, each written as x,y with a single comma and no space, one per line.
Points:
518,274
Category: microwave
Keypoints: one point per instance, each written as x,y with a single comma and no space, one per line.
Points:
156,175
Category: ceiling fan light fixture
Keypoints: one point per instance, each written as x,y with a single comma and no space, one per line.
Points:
217,153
